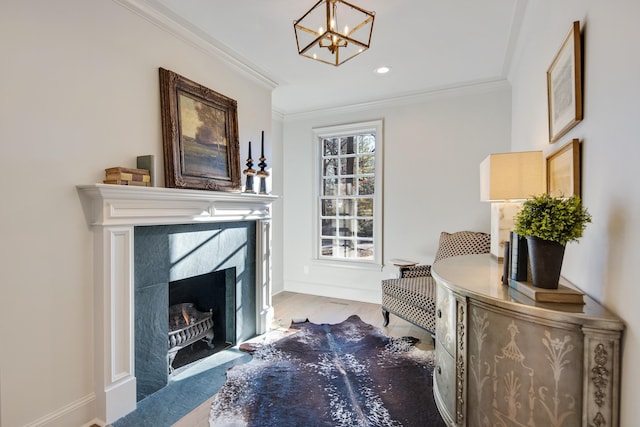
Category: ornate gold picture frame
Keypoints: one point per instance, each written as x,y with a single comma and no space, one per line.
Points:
200,135
564,86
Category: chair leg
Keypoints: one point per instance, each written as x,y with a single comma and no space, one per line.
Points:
385,315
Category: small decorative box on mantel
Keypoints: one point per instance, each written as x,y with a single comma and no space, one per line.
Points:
127,176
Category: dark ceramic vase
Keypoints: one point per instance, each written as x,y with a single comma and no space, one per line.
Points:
546,262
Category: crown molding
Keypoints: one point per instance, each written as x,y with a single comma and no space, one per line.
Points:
165,19
277,115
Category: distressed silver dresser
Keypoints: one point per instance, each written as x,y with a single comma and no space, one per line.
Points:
503,359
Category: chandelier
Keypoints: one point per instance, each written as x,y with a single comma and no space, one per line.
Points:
333,31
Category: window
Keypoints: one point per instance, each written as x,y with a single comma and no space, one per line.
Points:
349,196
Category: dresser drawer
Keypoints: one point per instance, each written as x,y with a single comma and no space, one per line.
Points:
446,319
444,379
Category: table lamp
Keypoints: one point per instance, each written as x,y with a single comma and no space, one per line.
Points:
506,179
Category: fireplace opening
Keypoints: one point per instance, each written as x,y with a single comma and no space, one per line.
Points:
201,317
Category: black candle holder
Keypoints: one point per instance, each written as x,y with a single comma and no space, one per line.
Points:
263,180
249,172
262,174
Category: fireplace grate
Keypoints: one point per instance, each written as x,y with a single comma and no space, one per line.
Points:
188,325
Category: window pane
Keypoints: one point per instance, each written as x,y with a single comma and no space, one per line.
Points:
347,227
366,185
367,144
347,146
330,147
344,249
365,249
328,207
346,207
365,207
330,168
366,164
365,228
327,246
329,227
347,165
346,187
330,187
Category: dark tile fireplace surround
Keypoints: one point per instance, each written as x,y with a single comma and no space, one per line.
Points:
165,257
143,239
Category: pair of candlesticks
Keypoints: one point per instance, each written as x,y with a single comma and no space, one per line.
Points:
250,172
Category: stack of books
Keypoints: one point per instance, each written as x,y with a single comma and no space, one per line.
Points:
127,176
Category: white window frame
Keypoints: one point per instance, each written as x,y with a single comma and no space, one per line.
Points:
319,134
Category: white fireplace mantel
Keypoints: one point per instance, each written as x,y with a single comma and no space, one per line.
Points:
113,211
106,204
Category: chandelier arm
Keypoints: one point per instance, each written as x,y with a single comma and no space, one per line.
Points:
358,8
362,24
305,29
328,15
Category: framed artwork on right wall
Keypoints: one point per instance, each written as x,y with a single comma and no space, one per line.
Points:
563,171
564,86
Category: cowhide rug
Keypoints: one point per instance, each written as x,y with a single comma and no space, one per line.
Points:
349,374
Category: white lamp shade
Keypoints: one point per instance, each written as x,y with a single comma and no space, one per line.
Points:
511,176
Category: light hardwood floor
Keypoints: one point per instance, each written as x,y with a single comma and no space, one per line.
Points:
289,305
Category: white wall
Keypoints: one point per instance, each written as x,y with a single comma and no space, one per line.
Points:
277,180
605,262
79,92
433,146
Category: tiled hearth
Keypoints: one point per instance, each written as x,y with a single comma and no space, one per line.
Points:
114,214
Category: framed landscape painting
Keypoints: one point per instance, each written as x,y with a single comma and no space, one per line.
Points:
564,86
200,135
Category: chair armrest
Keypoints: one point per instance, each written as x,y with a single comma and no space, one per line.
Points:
416,271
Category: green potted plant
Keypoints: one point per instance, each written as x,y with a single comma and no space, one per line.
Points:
549,223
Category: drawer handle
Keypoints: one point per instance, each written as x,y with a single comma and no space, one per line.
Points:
439,313
439,370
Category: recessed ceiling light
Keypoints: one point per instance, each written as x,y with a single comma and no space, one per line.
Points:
382,70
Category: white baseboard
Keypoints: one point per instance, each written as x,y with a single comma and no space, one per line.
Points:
74,414
341,292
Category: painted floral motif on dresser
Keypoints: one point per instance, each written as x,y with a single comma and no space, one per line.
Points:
524,381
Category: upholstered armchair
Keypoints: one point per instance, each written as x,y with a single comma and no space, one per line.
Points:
413,295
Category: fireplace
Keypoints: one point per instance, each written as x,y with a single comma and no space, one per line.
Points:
187,233
211,265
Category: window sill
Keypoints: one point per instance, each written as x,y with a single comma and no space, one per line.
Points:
354,265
